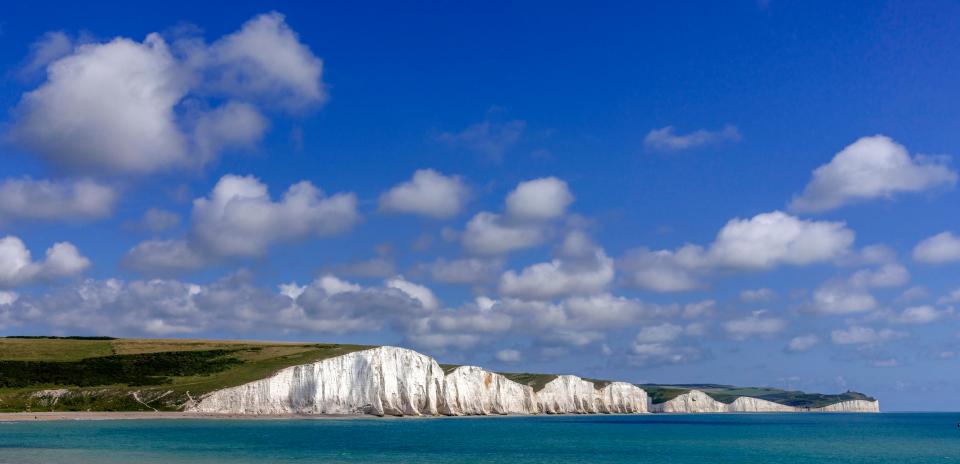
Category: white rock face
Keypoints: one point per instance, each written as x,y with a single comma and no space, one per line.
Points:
401,382
470,391
380,381
694,401
568,394
851,406
748,404
622,398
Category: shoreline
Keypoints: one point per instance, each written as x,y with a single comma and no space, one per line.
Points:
145,415
48,416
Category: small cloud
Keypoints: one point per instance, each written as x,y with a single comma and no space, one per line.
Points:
508,356
490,139
428,193
802,343
857,335
754,325
757,295
939,249
666,139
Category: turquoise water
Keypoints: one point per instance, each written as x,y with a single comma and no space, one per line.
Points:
700,439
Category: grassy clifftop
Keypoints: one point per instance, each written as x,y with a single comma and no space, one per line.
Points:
107,374
103,374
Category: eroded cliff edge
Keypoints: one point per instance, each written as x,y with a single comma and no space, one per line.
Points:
401,382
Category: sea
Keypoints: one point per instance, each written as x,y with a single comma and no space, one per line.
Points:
675,439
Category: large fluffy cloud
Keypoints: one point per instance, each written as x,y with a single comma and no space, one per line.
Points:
871,167
240,219
491,234
764,241
852,295
134,107
17,266
429,193
26,198
266,61
108,106
580,268
530,210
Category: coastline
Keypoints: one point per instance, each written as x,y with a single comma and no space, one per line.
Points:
139,415
7,417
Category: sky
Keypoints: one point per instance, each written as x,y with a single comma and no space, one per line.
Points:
748,193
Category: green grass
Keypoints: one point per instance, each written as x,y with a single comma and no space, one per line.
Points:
448,368
103,375
536,381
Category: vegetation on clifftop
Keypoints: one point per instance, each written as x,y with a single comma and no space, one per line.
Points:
104,374
41,373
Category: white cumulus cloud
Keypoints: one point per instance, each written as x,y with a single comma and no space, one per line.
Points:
539,199
125,106
239,218
17,266
429,193
26,198
490,234
580,268
871,167
765,241
938,249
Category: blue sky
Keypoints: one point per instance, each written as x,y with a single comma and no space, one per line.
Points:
736,192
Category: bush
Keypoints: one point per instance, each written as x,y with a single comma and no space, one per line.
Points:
131,369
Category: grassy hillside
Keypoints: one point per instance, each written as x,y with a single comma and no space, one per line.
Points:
728,393
137,374
106,374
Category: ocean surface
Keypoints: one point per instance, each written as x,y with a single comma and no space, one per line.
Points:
676,439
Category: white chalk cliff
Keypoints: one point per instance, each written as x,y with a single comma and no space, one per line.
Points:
470,391
401,382
852,406
696,401
381,381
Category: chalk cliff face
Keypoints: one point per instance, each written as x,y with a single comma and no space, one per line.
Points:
567,394
400,382
852,406
380,381
470,390
696,401
747,404
622,398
